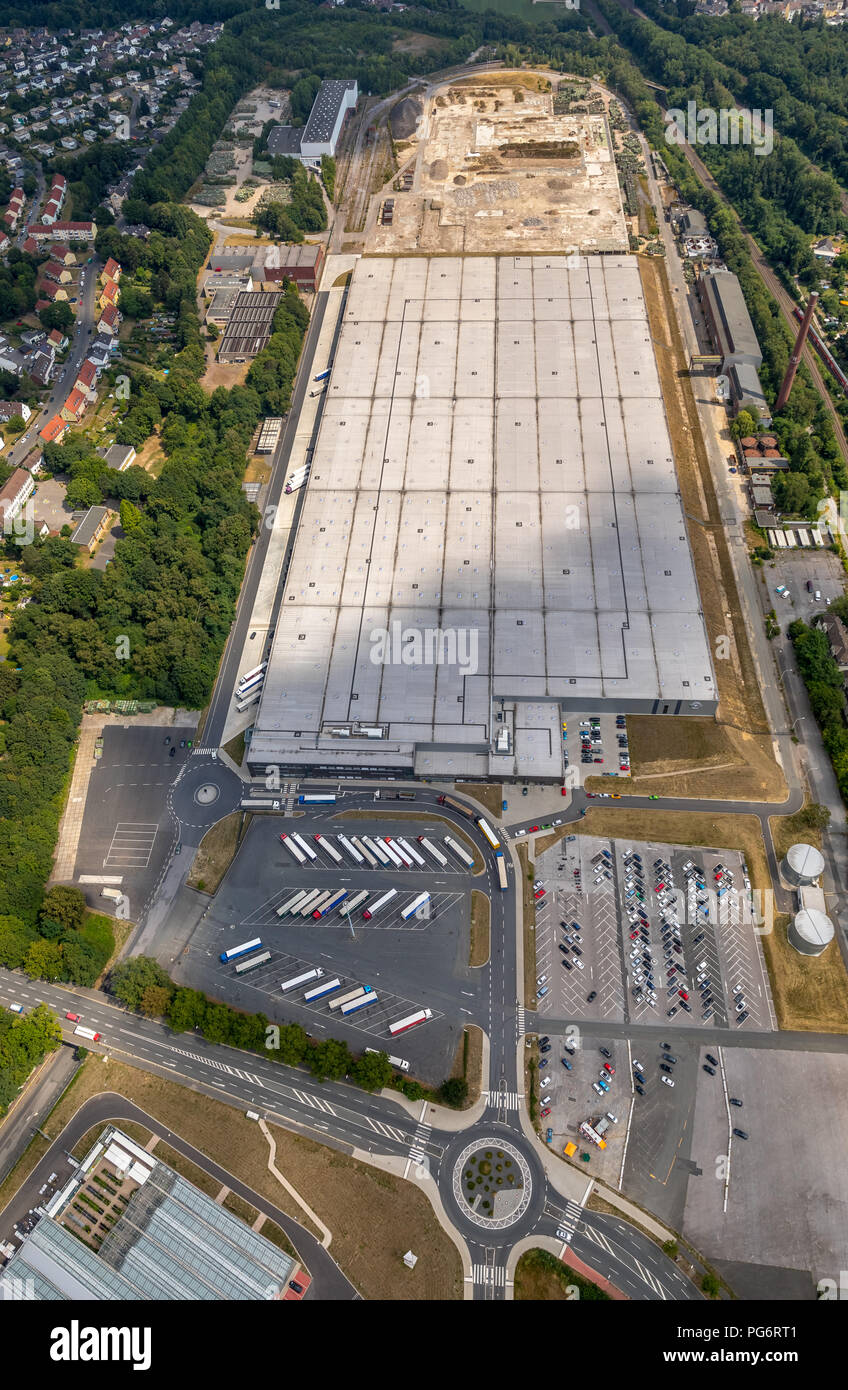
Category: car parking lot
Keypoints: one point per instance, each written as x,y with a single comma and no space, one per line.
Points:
793,570
597,745
654,933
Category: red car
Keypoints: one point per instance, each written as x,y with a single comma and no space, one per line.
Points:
532,828
563,791
683,994
74,1018
590,793
609,1069
546,1112
539,893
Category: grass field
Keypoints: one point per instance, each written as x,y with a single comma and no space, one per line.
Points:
481,944
528,903
541,1276
216,853
788,830
374,1216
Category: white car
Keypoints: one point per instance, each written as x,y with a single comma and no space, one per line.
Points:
637,1066
579,964
667,1080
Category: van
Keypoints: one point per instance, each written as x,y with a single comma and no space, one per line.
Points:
16,1008
546,1100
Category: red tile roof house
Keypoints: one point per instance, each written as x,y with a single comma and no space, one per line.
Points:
74,407
110,318
86,381
63,254
59,340
111,270
54,431
30,246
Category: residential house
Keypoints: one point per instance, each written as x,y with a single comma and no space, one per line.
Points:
91,528
64,231
63,254
58,340
837,636
34,461
109,295
86,381
53,293
109,320
42,366
111,270
59,273
74,407
14,493
119,456
54,431
9,409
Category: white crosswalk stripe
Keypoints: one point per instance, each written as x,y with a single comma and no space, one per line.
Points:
505,1100
486,1274
195,752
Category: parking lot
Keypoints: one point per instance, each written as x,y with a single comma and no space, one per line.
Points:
420,962
793,569
596,745
648,933
782,1228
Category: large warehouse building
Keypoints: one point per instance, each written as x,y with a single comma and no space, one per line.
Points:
492,531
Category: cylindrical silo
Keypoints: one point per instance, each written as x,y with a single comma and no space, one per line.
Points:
802,866
810,931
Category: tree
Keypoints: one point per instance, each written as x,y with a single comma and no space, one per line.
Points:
155,1001
294,1044
65,904
59,315
330,1060
710,1285
372,1071
131,980
454,1091
83,492
16,424
743,425
131,517
44,961
187,1010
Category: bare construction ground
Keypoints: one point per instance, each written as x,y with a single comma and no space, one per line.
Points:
498,171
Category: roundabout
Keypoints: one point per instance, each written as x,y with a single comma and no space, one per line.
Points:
204,793
492,1183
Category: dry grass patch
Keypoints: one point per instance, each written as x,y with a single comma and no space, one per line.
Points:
468,1063
198,1177
810,993
490,797
699,758
374,1216
216,852
481,940
236,747
740,701
541,1277
240,1208
789,830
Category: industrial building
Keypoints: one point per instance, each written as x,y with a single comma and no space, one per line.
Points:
492,531
165,1240
732,332
249,325
320,135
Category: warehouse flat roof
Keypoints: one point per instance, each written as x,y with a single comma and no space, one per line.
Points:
494,463
731,316
325,110
250,322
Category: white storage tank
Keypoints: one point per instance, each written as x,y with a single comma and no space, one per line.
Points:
803,865
810,932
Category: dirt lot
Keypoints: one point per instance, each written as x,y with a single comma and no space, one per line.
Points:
500,171
374,1216
489,796
699,758
740,703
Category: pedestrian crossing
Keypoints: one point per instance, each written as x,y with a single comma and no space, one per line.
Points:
205,751
417,1151
505,1100
493,1276
520,1019
568,1220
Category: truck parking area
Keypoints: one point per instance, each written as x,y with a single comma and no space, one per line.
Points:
413,954
649,933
